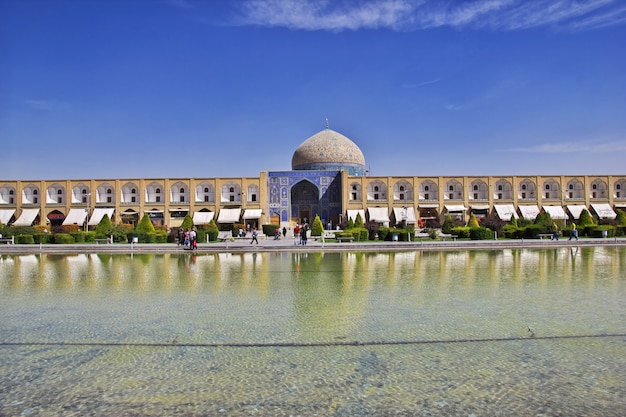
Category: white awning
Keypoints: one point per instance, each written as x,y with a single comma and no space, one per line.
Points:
429,206
27,217
98,214
378,214
480,206
604,211
352,214
452,208
556,212
75,216
407,214
576,210
203,217
229,215
505,211
252,214
6,215
529,212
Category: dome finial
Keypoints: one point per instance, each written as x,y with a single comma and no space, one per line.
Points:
327,123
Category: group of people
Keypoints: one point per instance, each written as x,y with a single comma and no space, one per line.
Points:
573,233
300,234
188,238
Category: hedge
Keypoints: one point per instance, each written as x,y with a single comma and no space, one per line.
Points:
63,238
481,233
24,239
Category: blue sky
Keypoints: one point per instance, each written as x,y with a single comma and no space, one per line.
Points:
190,88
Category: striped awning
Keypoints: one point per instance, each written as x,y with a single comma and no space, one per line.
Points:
229,215
604,211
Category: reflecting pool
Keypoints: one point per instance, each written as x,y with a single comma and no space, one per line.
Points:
453,333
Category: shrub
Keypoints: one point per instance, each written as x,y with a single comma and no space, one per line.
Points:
597,231
63,238
268,229
621,217
317,228
472,223
481,233
79,237
358,222
103,229
461,232
145,225
585,220
383,233
42,238
533,231
90,237
510,231
187,223
24,239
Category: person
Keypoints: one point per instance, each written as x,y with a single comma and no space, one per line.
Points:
181,236
186,237
254,239
193,241
284,232
303,234
555,231
296,234
573,232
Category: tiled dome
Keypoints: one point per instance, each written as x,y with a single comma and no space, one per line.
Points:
329,150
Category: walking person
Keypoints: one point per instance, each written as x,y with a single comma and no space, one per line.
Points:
303,237
193,239
555,231
573,232
296,235
254,239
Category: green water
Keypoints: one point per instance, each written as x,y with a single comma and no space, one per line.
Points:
336,334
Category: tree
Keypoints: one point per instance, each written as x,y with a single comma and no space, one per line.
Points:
621,217
104,227
513,221
145,225
317,228
350,224
447,225
358,222
187,223
585,219
544,219
472,221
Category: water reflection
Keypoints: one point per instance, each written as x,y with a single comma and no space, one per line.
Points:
151,314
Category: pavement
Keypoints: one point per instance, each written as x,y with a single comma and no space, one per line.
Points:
288,244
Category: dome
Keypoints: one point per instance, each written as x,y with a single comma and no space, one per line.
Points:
329,150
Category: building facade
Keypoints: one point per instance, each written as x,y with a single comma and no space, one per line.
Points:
328,178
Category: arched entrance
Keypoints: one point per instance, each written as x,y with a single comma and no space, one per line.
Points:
304,202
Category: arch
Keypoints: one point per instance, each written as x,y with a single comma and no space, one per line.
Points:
503,190
355,191
453,190
402,191
478,190
551,189
154,192
252,193
179,193
55,194
231,193
7,194
377,191
527,190
619,189
428,191
130,193
574,189
305,201
80,194
598,189
30,194
205,193
104,194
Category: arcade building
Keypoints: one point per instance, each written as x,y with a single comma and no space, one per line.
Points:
328,178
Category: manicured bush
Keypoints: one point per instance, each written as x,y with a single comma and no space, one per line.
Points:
383,233
534,230
472,223
103,229
187,223
460,232
24,239
481,233
317,228
145,225
597,231
621,217
63,238
79,237
510,231
42,238
268,229
585,220
90,237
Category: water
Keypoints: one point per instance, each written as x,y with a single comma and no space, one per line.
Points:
335,334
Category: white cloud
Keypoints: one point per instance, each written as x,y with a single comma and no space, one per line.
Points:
574,147
406,15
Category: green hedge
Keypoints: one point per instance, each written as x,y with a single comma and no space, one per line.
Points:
461,232
79,237
24,239
42,238
63,238
597,231
481,233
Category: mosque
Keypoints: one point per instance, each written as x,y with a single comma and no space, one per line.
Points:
328,178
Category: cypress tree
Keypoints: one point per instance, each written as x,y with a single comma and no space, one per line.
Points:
472,221
105,226
317,228
621,217
145,225
187,223
585,219
358,222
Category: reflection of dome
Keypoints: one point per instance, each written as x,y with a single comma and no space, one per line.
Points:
329,150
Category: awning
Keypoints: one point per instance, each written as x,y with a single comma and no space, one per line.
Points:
576,210
480,207
452,208
75,216
203,217
129,212
98,214
229,215
529,212
27,217
407,214
252,214
353,213
505,211
428,206
378,214
604,211
6,215
556,212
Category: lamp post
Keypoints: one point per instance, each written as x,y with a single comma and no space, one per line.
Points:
87,210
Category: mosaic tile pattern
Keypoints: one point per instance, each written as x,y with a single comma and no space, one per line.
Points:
325,148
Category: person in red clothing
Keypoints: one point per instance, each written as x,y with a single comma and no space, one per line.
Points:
296,234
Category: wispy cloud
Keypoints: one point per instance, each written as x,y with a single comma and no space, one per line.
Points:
574,147
422,83
407,15
46,105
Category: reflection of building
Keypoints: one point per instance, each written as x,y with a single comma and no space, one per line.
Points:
328,179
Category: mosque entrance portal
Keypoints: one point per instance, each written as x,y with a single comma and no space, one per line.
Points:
304,202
